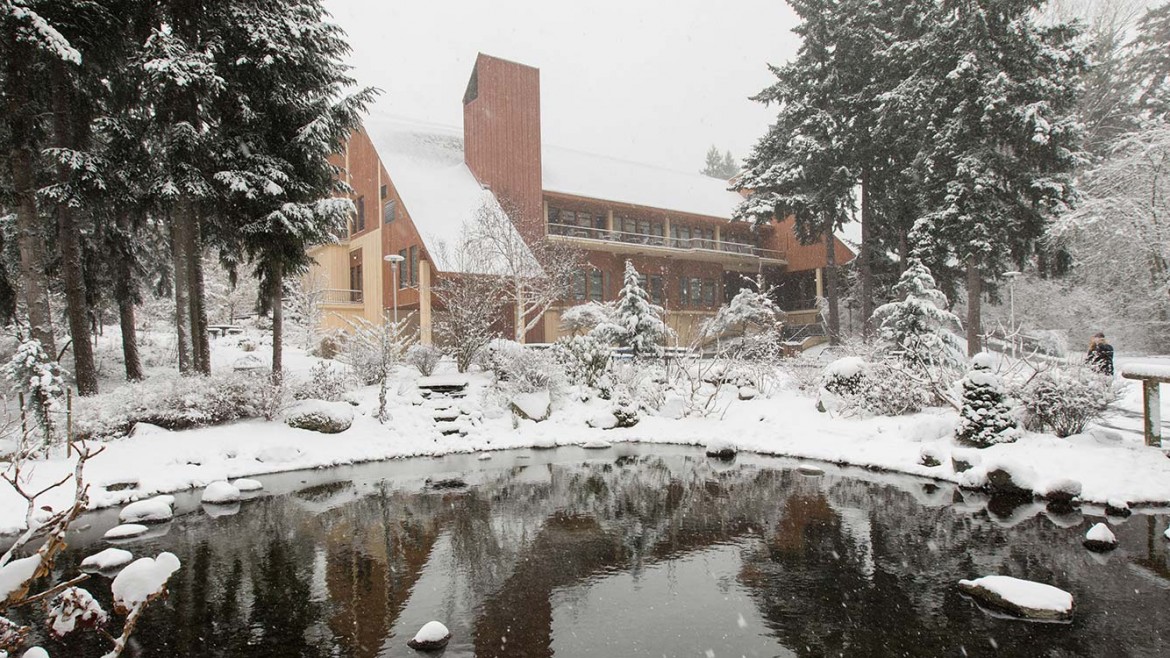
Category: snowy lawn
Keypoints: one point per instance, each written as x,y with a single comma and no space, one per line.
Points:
1110,465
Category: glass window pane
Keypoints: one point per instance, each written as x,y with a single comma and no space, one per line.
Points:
596,286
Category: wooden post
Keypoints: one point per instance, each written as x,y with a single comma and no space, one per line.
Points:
1151,396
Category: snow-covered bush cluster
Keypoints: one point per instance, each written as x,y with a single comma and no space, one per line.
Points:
522,369
985,417
1065,399
883,387
176,402
372,349
425,358
327,381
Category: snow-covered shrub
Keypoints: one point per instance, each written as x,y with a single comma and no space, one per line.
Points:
326,382
177,402
749,314
844,376
642,383
425,358
584,358
625,410
918,330
520,369
885,388
329,346
985,417
584,318
1065,400
33,372
373,349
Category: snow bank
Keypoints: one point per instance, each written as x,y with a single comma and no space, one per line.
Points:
153,510
142,579
1023,598
15,574
111,558
220,492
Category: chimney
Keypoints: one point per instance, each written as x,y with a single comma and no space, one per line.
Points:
501,137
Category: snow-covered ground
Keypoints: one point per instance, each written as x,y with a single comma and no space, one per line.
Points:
1110,463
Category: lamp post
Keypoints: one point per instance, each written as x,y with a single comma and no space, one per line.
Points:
394,260
1011,277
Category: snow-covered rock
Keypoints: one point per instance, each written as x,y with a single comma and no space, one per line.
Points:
320,416
930,456
217,510
748,393
1063,490
532,406
151,510
1021,598
141,580
248,363
245,484
111,558
220,492
146,429
596,444
15,575
125,531
964,460
809,469
484,456
605,420
1011,478
35,652
431,637
1100,538
721,448
1117,507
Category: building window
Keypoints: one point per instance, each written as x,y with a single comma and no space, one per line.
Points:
355,276
656,290
414,266
696,290
680,237
385,191
580,286
576,223
389,211
597,286
403,269
709,293
684,296
359,221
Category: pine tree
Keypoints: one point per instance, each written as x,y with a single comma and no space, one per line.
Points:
637,323
985,418
997,96
1150,63
918,329
728,167
713,163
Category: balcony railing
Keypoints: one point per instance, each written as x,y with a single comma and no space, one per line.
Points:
687,244
338,296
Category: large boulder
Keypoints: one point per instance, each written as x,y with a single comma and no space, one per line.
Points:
1021,598
320,416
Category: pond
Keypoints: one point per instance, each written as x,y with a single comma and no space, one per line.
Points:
631,551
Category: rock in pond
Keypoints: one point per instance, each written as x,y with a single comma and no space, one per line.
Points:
125,531
245,484
1025,599
152,510
220,493
721,449
1117,507
1100,539
807,469
320,416
431,637
111,558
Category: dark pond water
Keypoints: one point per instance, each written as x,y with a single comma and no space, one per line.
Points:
630,552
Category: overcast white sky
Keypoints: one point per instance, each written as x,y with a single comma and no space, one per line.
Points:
655,81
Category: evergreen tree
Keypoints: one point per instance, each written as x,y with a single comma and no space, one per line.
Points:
637,323
918,329
713,163
1150,63
997,95
985,418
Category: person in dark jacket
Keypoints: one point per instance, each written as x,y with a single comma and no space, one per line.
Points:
1100,356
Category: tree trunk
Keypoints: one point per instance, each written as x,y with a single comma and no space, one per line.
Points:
277,283
864,259
831,292
129,332
974,307
180,217
200,343
69,243
34,286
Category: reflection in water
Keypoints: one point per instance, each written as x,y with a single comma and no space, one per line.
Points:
640,556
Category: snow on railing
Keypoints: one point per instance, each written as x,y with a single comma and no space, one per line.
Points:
341,296
1152,376
654,240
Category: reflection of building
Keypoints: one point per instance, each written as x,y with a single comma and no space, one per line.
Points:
415,186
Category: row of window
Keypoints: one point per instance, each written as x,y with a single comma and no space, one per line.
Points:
389,210
585,224
694,292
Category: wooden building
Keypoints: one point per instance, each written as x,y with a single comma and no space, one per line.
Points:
416,187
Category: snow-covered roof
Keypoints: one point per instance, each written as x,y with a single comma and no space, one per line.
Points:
577,173
425,163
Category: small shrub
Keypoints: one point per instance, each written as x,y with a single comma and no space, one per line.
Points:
521,369
844,376
625,410
424,357
584,358
325,382
328,347
1065,400
985,418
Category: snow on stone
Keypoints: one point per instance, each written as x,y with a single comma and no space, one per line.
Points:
16,573
1147,369
808,469
152,510
603,421
596,444
142,579
35,652
432,636
220,492
533,405
721,447
245,484
125,531
1036,600
1100,533
484,456
111,558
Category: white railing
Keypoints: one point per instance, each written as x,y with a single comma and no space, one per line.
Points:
685,244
